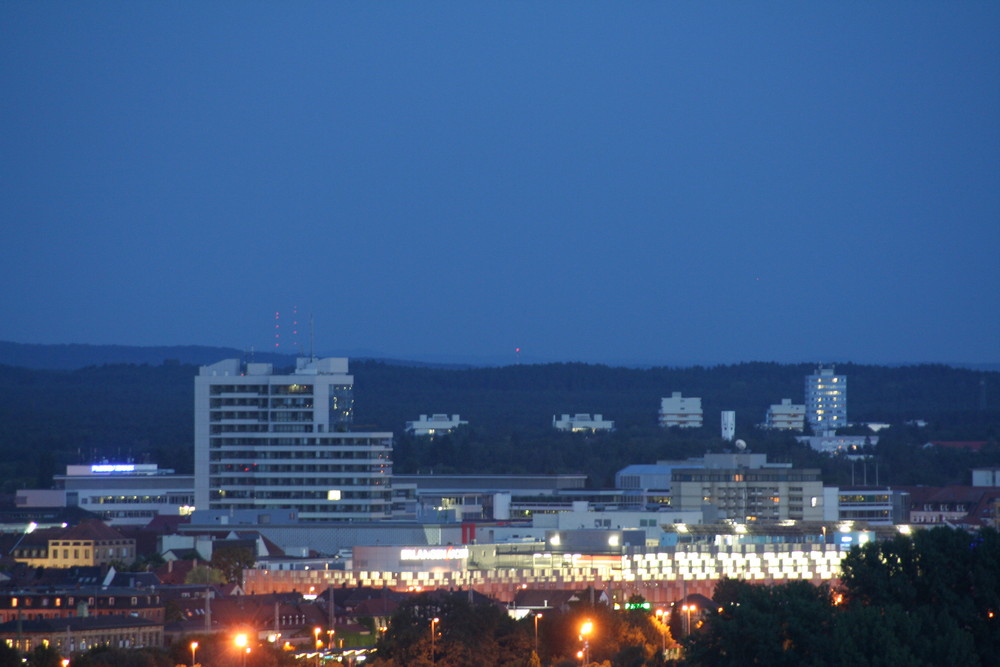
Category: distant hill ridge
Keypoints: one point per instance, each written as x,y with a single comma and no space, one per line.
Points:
73,356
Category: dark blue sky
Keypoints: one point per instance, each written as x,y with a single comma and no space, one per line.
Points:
605,182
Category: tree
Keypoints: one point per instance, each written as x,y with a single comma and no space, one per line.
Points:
231,561
9,656
203,574
786,624
44,656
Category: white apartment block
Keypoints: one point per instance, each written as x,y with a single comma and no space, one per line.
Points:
582,422
826,401
680,411
434,425
785,416
273,442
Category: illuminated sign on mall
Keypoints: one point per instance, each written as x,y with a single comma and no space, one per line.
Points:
113,467
449,553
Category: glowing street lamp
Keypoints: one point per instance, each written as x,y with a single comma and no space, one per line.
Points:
241,645
194,648
316,632
537,616
434,622
585,631
661,616
688,608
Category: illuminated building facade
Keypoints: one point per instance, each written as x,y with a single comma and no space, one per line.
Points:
746,488
126,493
826,401
265,441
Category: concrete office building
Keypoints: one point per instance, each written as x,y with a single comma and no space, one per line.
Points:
283,442
121,494
437,424
582,423
785,416
826,401
680,411
745,487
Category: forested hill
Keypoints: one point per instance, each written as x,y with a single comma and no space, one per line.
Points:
49,418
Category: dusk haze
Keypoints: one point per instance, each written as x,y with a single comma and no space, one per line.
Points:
499,334
625,183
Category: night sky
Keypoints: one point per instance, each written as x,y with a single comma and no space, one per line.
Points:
682,182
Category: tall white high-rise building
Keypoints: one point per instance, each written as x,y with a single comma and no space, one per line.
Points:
826,401
273,442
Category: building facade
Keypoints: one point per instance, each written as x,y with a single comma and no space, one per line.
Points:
680,411
826,401
127,493
582,423
746,488
786,416
268,441
434,425
87,544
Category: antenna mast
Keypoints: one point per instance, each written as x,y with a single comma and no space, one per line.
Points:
312,338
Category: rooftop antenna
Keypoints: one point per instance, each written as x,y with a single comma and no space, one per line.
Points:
277,330
517,352
295,331
312,339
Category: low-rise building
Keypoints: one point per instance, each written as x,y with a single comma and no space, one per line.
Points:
582,422
745,487
680,411
785,416
120,493
874,505
70,635
437,424
848,445
88,543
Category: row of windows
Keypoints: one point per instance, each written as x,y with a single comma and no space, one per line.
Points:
303,442
257,469
275,416
298,481
326,510
297,402
138,500
261,389
250,457
30,601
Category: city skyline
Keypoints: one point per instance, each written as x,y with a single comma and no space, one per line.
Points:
634,184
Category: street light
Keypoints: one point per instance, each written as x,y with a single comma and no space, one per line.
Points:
194,647
537,616
434,622
585,631
661,617
28,530
316,632
241,643
688,608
